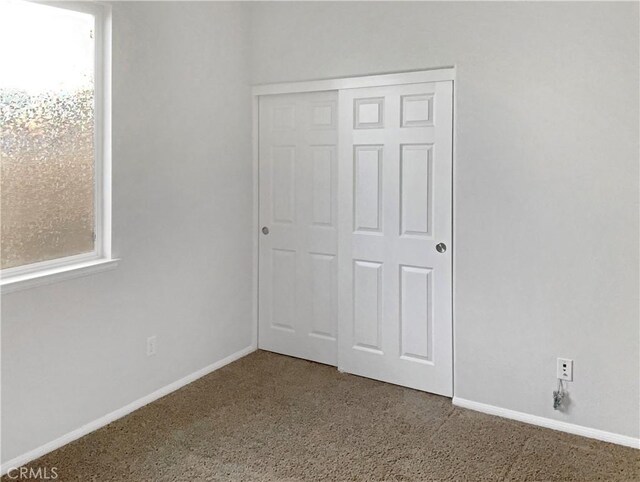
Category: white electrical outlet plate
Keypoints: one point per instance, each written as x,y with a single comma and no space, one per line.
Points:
152,345
565,369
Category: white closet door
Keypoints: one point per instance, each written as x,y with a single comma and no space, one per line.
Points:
298,206
395,215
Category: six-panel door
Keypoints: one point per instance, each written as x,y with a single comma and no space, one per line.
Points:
366,230
298,208
394,195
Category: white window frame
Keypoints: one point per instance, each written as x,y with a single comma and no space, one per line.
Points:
100,259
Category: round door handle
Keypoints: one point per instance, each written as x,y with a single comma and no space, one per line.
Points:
265,230
441,247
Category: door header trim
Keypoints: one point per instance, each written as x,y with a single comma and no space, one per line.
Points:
398,78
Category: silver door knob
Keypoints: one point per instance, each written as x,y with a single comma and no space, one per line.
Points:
441,247
265,230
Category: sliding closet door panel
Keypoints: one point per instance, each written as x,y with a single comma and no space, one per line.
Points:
395,317
298,287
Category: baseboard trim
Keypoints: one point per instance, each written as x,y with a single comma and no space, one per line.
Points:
549,423
121,412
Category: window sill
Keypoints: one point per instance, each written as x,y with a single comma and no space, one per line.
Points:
53,275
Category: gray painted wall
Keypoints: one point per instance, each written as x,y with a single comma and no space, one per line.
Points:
76,350
546,180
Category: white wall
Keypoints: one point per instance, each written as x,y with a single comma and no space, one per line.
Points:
546,211
75,351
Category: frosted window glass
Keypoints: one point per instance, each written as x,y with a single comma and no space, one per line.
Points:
46,133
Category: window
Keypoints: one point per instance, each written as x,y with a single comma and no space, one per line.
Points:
53,188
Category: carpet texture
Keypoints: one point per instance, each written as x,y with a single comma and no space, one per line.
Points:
269,417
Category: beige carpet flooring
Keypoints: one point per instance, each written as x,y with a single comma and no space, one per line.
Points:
271,417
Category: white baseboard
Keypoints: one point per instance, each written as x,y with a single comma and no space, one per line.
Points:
549,423
121,412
